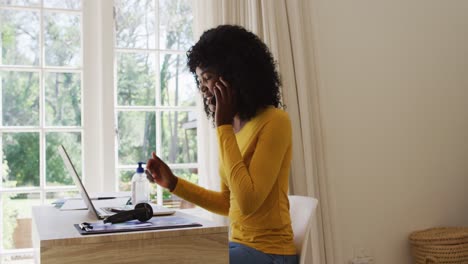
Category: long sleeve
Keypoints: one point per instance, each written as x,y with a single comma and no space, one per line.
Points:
254,170
250,185
216,202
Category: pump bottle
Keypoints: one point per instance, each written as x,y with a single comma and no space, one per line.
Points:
140,186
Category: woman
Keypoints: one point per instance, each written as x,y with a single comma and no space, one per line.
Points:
240,86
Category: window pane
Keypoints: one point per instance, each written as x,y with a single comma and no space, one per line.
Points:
179,137
18,149
125,178
190,175
135,24
62,39
136,73
136,136
177,84
19,37
20,98
56,172
20,2
176,21
63,99
65,4
17,219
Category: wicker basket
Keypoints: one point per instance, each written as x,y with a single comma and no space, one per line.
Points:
442,245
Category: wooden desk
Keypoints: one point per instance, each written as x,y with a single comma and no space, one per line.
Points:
57,241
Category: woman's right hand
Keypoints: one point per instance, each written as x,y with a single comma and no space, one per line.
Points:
225,103
161,173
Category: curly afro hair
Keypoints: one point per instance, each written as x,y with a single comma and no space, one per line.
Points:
244,61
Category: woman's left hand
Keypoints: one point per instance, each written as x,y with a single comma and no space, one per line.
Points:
225,103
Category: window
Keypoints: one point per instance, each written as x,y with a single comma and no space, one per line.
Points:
41,107
155,105
53,90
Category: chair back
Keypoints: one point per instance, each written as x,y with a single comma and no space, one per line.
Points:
302,210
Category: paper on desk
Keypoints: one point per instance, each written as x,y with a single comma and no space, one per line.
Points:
73,204
78,204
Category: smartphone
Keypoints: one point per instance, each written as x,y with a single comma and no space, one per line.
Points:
149,176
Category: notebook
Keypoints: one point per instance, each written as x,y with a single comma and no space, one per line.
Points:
104,210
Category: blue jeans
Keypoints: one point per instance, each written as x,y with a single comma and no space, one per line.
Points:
241,254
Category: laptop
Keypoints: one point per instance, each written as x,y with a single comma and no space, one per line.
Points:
104,210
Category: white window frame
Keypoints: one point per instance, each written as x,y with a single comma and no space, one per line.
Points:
99,91
98,122
42,128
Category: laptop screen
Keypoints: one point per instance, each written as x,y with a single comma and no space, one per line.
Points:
71,169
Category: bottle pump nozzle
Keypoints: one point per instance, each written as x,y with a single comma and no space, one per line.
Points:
140,168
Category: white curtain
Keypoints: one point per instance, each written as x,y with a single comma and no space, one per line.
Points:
286,27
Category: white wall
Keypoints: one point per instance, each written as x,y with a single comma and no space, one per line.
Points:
394,100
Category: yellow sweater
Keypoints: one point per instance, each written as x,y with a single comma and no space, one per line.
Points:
254,169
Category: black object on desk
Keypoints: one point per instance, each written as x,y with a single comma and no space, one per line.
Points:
142,212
